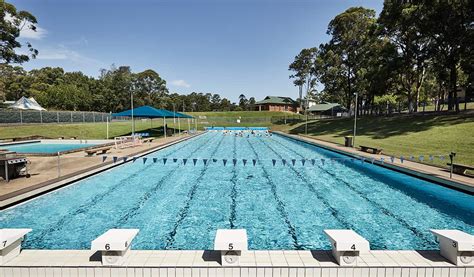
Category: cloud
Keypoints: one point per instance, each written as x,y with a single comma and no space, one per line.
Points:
62,52
180,83
27,33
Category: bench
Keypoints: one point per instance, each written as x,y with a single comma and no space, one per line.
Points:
102,150
347,245
461,168
114,245
373,149
230,243
149,140
10,243
456,246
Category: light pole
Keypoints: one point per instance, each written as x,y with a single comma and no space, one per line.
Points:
133,121
174,118
355,121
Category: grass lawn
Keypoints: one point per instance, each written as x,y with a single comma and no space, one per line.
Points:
398,135
81,131
402,135
99,130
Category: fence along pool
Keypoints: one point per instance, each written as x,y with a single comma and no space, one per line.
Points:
178,205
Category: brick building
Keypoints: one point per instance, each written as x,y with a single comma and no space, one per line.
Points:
277,104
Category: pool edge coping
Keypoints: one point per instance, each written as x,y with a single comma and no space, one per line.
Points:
439,180
25,194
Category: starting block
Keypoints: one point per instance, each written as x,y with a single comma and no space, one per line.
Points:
10,243
114,245
346,246
231,243
456,246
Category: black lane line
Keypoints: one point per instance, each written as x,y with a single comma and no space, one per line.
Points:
84,208
280,204
384,210
183,213
334,212
144,198
233,192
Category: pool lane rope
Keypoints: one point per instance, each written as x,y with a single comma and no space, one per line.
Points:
274,162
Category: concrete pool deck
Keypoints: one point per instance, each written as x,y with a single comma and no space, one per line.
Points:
172,263
426,171
44,170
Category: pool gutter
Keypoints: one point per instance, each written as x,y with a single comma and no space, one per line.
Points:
19,196
457,185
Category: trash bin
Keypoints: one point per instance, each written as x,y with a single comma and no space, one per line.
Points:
348,141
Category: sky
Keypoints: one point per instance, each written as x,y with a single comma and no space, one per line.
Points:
228,47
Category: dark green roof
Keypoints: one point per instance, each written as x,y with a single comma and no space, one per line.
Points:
276,100
323,107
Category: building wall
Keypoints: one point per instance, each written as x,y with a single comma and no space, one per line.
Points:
276,108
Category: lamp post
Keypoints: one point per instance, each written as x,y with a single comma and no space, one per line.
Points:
174,118
355,120
133,121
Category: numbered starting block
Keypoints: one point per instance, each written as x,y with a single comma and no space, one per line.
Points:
456,246
230,243
346,246
114,245
10,243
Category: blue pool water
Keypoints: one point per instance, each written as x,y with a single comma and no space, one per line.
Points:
180,206
44,147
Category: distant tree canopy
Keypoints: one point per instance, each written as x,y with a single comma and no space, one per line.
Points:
413,52
110,92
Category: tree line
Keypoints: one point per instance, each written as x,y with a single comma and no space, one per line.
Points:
111,91
414,52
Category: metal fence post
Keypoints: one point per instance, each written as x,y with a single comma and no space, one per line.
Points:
93,116
83,117
57,116
59,165
41,116
451,157
21,117
71,117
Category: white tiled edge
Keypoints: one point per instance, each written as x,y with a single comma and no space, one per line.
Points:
252,263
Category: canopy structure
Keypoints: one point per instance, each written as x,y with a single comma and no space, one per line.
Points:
150,112
182,115
27,104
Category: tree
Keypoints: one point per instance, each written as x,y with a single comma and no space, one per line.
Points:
14,82
344,58
251,103
243,102
402,23
215,102
449,26
12,22
149,88
305,70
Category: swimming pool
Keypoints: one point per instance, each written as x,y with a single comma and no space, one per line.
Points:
177,204
45,147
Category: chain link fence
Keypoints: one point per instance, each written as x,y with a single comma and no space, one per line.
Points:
30,117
